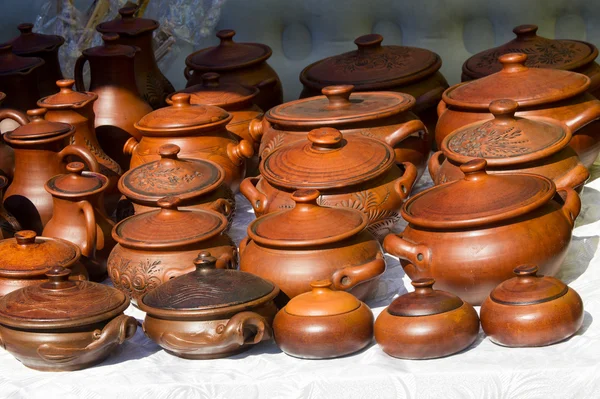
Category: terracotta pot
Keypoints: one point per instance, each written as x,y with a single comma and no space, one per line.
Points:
560,95
40,153
200,132
46,327
458,232
350,171
119,104
156,246
426,324
511,144
152,84
209,313
8,224
241,63
19,79
7,155
323,324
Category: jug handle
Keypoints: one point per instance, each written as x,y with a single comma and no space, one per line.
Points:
90,227
82,153
17,116
79,84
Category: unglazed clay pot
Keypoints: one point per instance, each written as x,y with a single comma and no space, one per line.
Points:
7,155
9,225
459,232
209,313
19,79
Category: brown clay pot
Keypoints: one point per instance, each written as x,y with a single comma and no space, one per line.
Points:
458,233
19,79
64,325
241,63
209,313
426,324
531,310
323,324
7,155
8,224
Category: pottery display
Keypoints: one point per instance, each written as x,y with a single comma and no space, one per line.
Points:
7,154
458,233
209,313
426,324
8,224
19,79
531,310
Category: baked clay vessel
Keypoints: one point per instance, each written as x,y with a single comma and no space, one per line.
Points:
295,247
458,232
64,325
531,310
241,63
19,79
7,155
153,247
9,225
210,313
426,324
323,324
350,171
511,144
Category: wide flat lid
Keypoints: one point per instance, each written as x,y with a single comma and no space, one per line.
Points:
424,301
30,42
327,160
76,183
219,94
110,48
39,128
322,301
67,97
373,66
478,199
11,63
128,24
527,288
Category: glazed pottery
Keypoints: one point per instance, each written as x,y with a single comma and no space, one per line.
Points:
531,310
242,63
209,313
8,224
323,324
19,79
7,155
458,233
426,324
64,325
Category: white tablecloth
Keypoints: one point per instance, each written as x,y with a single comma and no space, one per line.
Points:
140,369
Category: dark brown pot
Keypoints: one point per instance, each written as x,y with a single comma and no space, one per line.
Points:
19,79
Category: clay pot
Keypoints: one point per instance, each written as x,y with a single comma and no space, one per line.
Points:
459,232
64,325
531,310
426,324
19,79
511,144
153,247
350,171
7,155
8,224
323,324
152,84
209,313
241,63
294,247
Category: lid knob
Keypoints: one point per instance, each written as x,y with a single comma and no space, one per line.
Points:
127,12
368,42
513,62
338,96
25,237
305,196
474,169
205,261
525,32
226,36
325,138
75,167
423,285
320,286
169,151
526,271
36,114
181,100
25,28
170,202
110,38
504,110
58,278
210,79
65,85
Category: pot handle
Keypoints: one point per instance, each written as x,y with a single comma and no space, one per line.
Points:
417,254
257,128
90,229
441,108
407,129
434,164
243,244
574,178
83,153
588,116
79,83
225,261
405,182
130,146
187,72
431,96
222,206
572,205
266,84
351,276
17,116
239,152
257,199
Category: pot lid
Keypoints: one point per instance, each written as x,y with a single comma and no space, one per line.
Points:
29,42
307,224
322,301
111,48
339,105
39,128
61,303
27,255
11,64
424,301
527,288
478,199
67,97
542,53
372,66
228,54
527,86
169,227
213,92
327,160
128,24
76,183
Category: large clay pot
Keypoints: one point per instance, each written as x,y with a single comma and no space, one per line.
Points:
19,79
7,154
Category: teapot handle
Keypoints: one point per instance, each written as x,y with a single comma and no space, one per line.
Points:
79,83
435,162
572,205
417,254
351,276
91,234
257,199
17,116
83,153
405,182
405,130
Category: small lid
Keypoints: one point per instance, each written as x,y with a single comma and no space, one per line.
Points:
218,94
527,288
11,64
111,48
27,255
76,183
29,42
339,105
478,199
307,224
39,128
372,66
61,303
67,97
128,24
424,301
322,301
228,54
327,160
169,227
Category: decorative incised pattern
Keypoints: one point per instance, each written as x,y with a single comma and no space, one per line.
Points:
156,177
487,141
156,91
273,144
135,278
393,58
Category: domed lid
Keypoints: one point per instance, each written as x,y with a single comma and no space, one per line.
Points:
542,53
307,224
228,55
12,64
76,183
527,288
424,301
527,86
322,301
327,160
478,199
67,97
169,227
372,66
39,128
29,42
110,48
61,303
339,105
218,94
27,255
128,24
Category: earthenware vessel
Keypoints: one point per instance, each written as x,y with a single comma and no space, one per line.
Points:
8,224
7,155
19,79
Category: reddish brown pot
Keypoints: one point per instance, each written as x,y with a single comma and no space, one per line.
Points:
8,224
19,79
7,155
